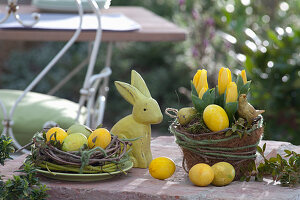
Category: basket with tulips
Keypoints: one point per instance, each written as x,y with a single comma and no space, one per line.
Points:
221,126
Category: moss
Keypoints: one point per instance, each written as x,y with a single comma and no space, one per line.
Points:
197,125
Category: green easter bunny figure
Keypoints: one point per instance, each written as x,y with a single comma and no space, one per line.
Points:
145,112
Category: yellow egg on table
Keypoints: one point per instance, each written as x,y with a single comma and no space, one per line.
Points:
99,138
162,168
57,134
224,173
201,174
215,118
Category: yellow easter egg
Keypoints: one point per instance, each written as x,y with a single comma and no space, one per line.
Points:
215,118
99,138
162,168
57,134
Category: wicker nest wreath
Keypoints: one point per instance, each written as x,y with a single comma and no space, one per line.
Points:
213,147
48,156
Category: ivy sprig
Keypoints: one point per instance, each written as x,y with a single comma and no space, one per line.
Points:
237,127
286,170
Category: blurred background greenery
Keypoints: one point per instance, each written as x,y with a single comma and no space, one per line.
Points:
262,36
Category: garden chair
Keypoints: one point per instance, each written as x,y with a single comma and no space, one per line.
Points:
23,113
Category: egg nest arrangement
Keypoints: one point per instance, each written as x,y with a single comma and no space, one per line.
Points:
79,150
222,126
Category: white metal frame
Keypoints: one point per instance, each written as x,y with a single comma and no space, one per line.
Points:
92,83
12,8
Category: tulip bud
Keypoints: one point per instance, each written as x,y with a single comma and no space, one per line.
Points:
196,78
243,73
202,91
224,79
231,92
200,80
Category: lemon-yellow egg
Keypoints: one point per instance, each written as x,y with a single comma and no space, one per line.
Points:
224,173
215,118
201,174
99,138
57,134
162,168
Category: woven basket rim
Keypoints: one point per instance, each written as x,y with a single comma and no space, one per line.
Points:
174,125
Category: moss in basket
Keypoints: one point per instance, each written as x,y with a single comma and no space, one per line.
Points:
197,125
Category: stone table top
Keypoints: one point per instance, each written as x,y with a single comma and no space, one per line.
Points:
138,184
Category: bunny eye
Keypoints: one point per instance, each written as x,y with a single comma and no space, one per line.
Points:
145,109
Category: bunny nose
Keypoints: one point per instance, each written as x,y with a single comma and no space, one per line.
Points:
158,117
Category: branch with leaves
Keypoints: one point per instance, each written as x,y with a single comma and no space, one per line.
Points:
286,170
25,186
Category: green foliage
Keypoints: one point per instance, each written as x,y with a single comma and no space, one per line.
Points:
241,87
239,127
287,171
231,109
6,148
25,186
207,98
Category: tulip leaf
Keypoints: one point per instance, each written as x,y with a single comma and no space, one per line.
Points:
245,88
212,96
241,87
217,93
220,99
194,90
199,104
231,109
239,83
206,95
209,97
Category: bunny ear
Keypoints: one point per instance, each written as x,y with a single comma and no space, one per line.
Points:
128,92
138,82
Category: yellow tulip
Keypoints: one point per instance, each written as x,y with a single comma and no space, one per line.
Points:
231,92
243,73
224,79
200,80
196,78
202,91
